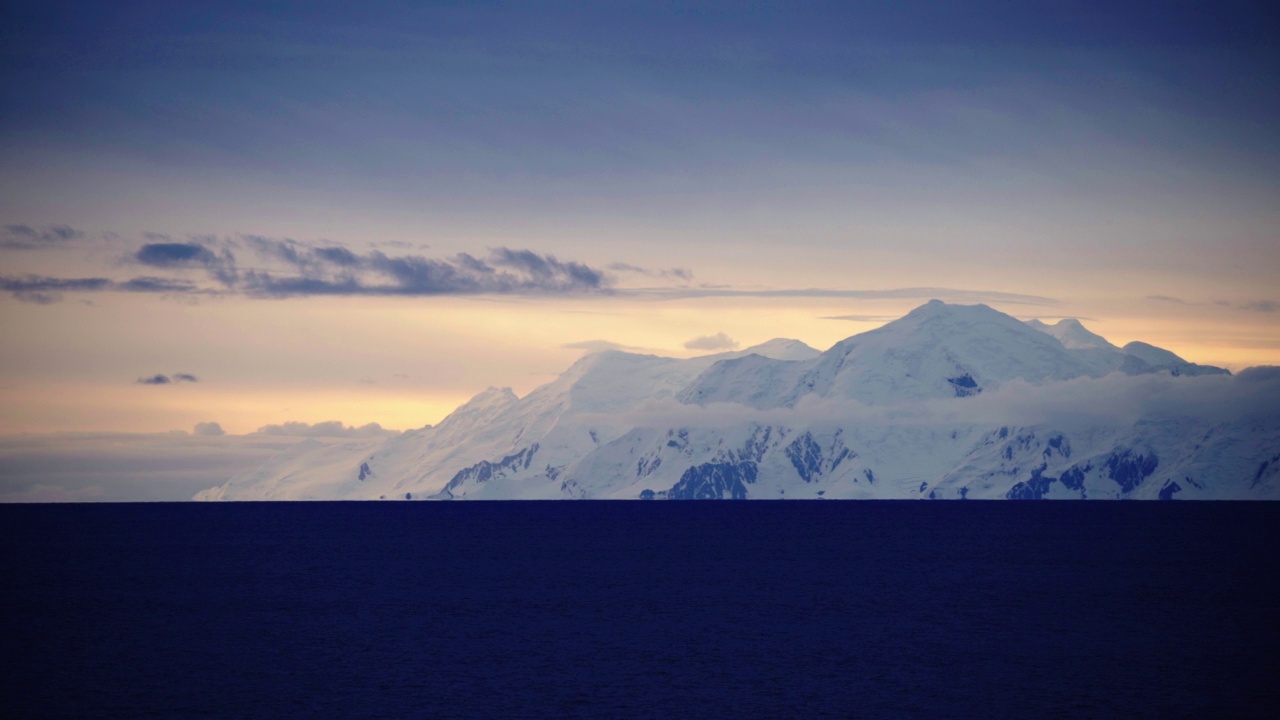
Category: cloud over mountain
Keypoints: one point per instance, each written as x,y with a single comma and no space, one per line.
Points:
719,341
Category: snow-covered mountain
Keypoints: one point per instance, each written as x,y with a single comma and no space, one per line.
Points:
949,401
495,433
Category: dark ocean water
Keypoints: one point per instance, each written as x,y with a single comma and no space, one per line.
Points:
630,609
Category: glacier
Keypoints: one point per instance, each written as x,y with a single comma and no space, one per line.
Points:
947,402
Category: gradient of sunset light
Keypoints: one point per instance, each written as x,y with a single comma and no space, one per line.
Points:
755,170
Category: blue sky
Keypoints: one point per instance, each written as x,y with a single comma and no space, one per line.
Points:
757,167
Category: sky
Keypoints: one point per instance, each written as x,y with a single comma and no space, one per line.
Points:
222,217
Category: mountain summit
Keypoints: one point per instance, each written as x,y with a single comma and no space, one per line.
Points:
935,351
949,401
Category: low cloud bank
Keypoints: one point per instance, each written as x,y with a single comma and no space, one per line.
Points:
1114,400
208,429
329,429
126,467
719,341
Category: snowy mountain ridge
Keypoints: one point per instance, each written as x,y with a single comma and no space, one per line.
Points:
949,401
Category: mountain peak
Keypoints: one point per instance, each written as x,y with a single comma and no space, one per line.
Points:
937,314
1073,334
491,396
782,349
1150,353
1142,358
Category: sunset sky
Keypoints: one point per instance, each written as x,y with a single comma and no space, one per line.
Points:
260,213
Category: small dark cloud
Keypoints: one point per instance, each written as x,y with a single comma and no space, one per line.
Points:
221,266
170,254
208,429
162,379
1168,299
25,237
719,341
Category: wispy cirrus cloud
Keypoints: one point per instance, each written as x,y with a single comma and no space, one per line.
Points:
675,273
1259,306
914,293
862,318
1262,306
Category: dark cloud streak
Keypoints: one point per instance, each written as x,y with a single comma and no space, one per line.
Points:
334,270
162,379
25,237
43,290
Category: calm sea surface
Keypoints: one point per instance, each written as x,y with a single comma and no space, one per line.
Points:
632,609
